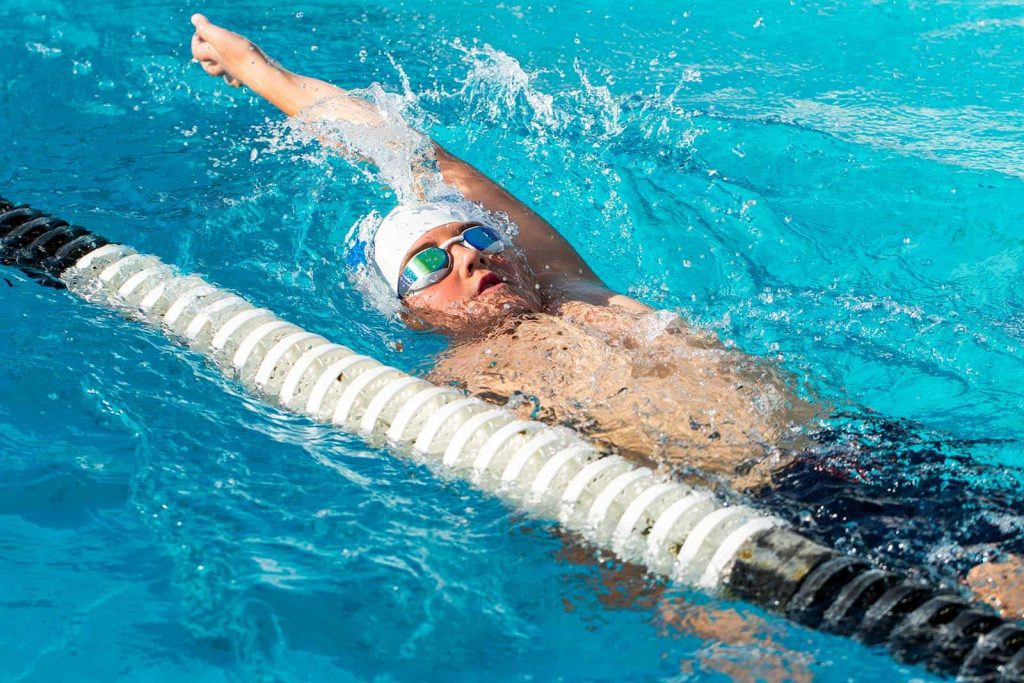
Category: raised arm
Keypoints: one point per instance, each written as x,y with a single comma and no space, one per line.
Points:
561,271
559,268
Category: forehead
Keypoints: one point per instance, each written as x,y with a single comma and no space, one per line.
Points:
435,236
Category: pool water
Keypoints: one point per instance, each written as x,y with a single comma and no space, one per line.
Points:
837,185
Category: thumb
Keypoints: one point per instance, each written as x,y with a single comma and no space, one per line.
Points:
206,29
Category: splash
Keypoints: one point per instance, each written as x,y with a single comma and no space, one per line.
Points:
600,110
497,86
371,125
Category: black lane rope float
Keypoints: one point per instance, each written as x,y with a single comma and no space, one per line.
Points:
669,527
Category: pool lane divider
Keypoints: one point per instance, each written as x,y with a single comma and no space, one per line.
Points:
671,528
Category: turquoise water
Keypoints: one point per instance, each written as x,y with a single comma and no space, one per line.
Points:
838,185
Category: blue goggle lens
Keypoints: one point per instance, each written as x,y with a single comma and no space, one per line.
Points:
483,239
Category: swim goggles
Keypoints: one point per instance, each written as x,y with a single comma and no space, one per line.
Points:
432,264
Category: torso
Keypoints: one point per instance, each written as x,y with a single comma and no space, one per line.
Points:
642,384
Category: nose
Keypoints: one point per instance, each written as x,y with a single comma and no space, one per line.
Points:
467,259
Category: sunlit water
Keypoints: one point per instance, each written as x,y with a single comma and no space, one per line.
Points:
838,185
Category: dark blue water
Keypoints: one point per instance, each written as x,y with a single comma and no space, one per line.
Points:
838,185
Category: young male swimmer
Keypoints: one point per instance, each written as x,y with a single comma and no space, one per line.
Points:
592,358
529,318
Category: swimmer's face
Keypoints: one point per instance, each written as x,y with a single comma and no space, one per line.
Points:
479,291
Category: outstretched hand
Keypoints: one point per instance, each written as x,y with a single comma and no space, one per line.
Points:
223,53
239,61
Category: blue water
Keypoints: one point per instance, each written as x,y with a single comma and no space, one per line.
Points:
839,185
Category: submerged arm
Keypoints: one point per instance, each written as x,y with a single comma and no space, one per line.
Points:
562,273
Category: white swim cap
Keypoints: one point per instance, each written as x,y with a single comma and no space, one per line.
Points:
400,229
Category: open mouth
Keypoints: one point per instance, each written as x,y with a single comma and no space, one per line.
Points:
488,281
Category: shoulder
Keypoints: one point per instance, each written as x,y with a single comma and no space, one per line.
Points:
566,294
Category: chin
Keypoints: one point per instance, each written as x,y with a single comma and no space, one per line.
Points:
504,303
485,313
480,315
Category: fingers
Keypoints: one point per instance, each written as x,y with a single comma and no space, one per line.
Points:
203,51
213,68
207,57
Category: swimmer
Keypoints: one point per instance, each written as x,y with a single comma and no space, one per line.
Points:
535,329
641,382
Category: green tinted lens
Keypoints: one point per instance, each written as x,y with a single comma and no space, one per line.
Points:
424,268
428,260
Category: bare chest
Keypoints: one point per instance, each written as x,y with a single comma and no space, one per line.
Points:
662,402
